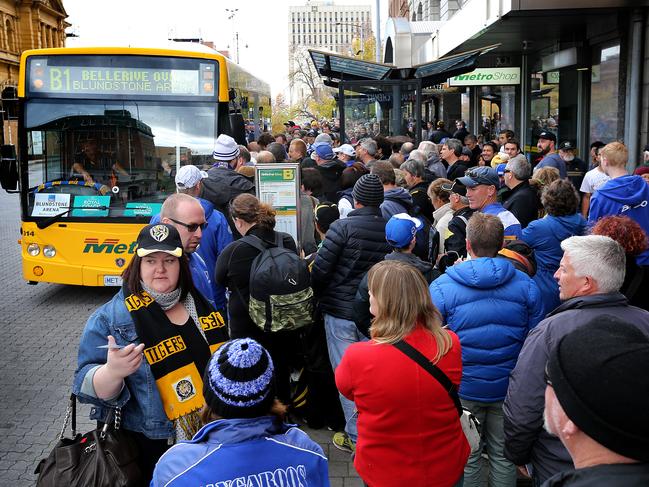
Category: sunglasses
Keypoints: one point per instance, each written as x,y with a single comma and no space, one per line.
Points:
546,376
191,227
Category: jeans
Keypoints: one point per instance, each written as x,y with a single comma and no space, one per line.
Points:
502,472
341,334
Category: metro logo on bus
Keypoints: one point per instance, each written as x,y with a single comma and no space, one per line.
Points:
108,246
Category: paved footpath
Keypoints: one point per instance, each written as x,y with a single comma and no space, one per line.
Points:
40,328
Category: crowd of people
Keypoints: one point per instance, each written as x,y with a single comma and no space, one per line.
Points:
521,278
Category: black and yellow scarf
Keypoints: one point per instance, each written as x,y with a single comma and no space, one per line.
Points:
174,366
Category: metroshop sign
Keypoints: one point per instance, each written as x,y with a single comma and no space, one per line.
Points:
487,76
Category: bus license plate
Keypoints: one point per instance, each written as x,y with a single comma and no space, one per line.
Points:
112,280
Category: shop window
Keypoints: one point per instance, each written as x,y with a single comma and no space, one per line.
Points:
544,110
606,111
497,110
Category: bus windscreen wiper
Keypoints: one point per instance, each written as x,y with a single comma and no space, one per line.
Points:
53,219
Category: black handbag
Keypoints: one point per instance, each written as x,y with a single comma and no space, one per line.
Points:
104,457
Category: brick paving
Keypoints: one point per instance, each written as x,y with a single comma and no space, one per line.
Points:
40,328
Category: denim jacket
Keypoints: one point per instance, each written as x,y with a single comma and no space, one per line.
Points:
139,399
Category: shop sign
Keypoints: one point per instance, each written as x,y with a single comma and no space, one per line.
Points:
487,76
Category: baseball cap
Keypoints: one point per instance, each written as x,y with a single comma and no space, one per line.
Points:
160,237
401,229
312,133
466,151
566,145
324,150
456,187
290,123
189,176
480,175
548,136
324,138
346,149
500,169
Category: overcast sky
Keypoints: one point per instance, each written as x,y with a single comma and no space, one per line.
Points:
262,26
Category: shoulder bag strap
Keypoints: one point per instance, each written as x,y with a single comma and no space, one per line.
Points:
432,369
254,241
634,285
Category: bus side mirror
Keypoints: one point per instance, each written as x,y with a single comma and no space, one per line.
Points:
238,128
8,168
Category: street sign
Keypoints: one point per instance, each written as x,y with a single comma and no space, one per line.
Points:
278,184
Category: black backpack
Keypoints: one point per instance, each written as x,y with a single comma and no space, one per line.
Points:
427,244
281,297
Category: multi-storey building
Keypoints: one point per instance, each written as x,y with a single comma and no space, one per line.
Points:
322,25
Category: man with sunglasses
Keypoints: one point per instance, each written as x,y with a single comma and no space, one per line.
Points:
482,185
186,214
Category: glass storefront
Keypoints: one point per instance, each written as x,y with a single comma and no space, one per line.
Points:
606,111
497,111
544,101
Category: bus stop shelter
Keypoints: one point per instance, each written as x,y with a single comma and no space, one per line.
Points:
381,98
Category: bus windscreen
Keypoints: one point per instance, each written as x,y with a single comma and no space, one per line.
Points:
110,76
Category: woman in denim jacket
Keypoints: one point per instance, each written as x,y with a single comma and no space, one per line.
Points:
146,349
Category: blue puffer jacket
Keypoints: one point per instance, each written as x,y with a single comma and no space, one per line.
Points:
491,307
545,237
258,451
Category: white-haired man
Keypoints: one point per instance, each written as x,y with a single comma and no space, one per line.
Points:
223,183
521,199
590,276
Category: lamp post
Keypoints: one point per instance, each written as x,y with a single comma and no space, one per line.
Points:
360,28
231,12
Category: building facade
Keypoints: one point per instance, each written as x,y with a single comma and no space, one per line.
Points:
579,70
322,25
28,24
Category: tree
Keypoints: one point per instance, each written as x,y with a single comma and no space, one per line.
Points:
368,52
317,101
281,113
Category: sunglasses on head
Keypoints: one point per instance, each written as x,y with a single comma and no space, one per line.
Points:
546,376
191,227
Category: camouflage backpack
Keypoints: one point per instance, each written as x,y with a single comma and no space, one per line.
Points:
281,297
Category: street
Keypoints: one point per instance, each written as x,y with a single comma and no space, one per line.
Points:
40,328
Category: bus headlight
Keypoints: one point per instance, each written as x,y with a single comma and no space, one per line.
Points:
49,251
33,249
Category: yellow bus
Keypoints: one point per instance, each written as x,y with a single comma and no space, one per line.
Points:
102,132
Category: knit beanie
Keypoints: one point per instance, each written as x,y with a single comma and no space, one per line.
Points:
225,148
368,190
599,375
238,381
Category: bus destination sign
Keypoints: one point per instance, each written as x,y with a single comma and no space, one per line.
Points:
84,80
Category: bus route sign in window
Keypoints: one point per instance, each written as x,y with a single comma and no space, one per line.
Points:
145,76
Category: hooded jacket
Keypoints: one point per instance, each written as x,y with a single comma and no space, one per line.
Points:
525,439
626,196
351,246
330,172
491,306
221,186
362,315
545,237
275,454
396,200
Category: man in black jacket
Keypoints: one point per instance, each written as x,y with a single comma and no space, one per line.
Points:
455,238
351,246
330,169
521,199
594,404
450,152
223,183
590,276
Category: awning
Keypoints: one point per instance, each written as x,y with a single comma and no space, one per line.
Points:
334,68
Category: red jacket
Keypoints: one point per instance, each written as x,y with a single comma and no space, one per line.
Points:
409,431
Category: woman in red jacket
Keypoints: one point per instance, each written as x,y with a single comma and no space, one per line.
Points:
409,432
